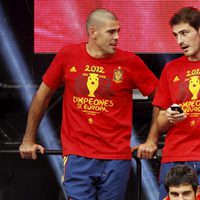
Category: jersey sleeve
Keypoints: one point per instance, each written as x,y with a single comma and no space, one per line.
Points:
54,75
162,97
142,76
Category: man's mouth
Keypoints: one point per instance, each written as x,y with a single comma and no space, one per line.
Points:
114,45
185,47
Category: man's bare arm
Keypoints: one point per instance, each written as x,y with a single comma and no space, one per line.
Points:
167,118
147,149
39,104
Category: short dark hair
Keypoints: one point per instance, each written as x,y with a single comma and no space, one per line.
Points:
99,13
181,174
188,15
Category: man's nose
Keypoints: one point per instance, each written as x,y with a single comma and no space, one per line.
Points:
116,35
179,39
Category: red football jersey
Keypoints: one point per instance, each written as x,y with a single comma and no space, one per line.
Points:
180,83
97,100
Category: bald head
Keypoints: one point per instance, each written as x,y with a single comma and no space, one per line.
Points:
97,16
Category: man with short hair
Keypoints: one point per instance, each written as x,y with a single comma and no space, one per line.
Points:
178,98
98,80
181,183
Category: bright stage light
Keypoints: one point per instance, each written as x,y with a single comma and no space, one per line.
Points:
18,70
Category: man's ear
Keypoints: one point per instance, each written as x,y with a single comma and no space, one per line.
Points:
92,31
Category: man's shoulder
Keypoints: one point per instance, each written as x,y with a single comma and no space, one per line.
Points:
178,60
127,55
71,48
125,52
198,197
176,63
166,198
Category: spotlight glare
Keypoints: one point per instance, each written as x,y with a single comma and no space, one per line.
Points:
18,70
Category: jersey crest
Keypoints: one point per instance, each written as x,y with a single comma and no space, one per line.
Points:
118,75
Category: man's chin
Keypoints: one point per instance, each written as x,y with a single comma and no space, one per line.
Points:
112,51
188,54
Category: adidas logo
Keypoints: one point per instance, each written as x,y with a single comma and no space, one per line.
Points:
176,78
192,123
73,69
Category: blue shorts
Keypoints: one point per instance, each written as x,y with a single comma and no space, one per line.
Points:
165,167
92,179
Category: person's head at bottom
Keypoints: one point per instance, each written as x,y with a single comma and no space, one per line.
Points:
181,183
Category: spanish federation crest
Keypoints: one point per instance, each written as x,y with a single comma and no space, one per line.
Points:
118,75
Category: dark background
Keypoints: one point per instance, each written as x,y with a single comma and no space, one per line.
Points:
22,179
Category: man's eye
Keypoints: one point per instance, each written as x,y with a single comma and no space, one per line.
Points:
174,194
184,33
187,193
111,32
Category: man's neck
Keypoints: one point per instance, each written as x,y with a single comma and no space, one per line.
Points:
194,58
95,52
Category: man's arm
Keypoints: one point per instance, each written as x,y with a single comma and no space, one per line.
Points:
162,121
147,149
28,148
167,118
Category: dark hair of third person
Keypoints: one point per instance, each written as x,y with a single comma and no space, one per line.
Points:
181,175
188,15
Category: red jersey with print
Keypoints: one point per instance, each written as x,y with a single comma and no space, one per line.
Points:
180,84
97,100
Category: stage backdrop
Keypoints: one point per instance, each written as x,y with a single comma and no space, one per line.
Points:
144,23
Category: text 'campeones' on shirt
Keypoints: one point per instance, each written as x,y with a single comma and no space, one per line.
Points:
97,100
180,83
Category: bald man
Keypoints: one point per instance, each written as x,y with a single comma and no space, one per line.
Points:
98,80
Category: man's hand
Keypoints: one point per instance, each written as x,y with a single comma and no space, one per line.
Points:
145,150
29,150
175,116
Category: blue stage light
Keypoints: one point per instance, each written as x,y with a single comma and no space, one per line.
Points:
18,70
